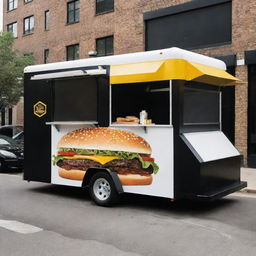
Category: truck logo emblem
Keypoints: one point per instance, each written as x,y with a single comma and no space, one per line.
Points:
40,109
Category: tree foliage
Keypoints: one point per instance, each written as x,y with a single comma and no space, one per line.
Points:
12,64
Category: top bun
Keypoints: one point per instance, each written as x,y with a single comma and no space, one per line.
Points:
105,139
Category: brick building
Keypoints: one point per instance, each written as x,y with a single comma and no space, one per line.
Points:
69,29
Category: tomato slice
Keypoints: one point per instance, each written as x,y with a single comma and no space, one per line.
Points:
147,158
67,153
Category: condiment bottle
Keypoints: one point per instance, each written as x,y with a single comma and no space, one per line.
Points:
143,117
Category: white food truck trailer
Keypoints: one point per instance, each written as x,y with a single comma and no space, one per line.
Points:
145,123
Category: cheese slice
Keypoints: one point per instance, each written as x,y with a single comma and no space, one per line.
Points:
100,159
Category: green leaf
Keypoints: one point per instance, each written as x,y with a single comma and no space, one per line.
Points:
55,159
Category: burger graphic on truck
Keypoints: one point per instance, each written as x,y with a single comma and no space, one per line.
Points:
123,152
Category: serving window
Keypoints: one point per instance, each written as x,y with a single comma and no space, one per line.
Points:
201,106
75,99
131,99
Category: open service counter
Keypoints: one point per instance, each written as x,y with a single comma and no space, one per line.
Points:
145,123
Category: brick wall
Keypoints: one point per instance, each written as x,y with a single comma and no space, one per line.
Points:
125,23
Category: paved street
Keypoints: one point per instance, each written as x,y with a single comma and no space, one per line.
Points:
65,222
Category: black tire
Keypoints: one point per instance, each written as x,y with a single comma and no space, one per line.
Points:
102,189
1,165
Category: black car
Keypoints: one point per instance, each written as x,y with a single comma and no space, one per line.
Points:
19,138
10,130
11,154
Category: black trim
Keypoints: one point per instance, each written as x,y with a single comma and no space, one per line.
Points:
250,57
117,182
230,60
103,101
37,163
218,194
196,4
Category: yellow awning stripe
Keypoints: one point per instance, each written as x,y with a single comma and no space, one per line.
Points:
174,69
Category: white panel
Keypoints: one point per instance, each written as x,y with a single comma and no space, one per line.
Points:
170,53
161,142
74,73
240,62
211,145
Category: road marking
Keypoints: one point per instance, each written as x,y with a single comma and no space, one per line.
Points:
19,227
208,228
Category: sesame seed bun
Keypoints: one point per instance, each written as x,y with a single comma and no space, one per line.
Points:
105,139
135,179
71,174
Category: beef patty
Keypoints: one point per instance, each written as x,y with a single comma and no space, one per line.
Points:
121,166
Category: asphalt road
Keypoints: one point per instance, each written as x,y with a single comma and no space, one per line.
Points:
72,225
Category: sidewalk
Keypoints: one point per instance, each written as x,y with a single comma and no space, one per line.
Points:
249,175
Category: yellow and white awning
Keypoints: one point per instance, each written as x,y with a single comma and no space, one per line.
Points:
172,69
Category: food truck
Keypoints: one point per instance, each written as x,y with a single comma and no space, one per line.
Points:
145,123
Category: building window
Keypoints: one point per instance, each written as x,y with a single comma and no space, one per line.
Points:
12,28
73,12
12,4
29,25
46,20
103,6
73,52
46,56
27,1
195,25
104,46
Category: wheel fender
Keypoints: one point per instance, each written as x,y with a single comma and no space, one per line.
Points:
91,171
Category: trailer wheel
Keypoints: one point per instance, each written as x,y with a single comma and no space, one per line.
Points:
102,189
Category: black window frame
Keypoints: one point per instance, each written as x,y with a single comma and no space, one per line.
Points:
107,10
46,56
27,1
11,24
106,52
46,19
13,5
73,47
31,30
75,12
204,125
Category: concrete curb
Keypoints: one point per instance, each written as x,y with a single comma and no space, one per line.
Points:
248,190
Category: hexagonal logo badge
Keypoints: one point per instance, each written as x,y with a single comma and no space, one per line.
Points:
40,109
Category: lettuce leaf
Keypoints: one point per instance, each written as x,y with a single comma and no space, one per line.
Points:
56,159
121,154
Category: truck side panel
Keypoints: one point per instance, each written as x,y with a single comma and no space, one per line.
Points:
37,136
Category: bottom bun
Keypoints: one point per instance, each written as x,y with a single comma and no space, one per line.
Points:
126,180
71,174
135,179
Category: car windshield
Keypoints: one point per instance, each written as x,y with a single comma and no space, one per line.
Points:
10,130
4,140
